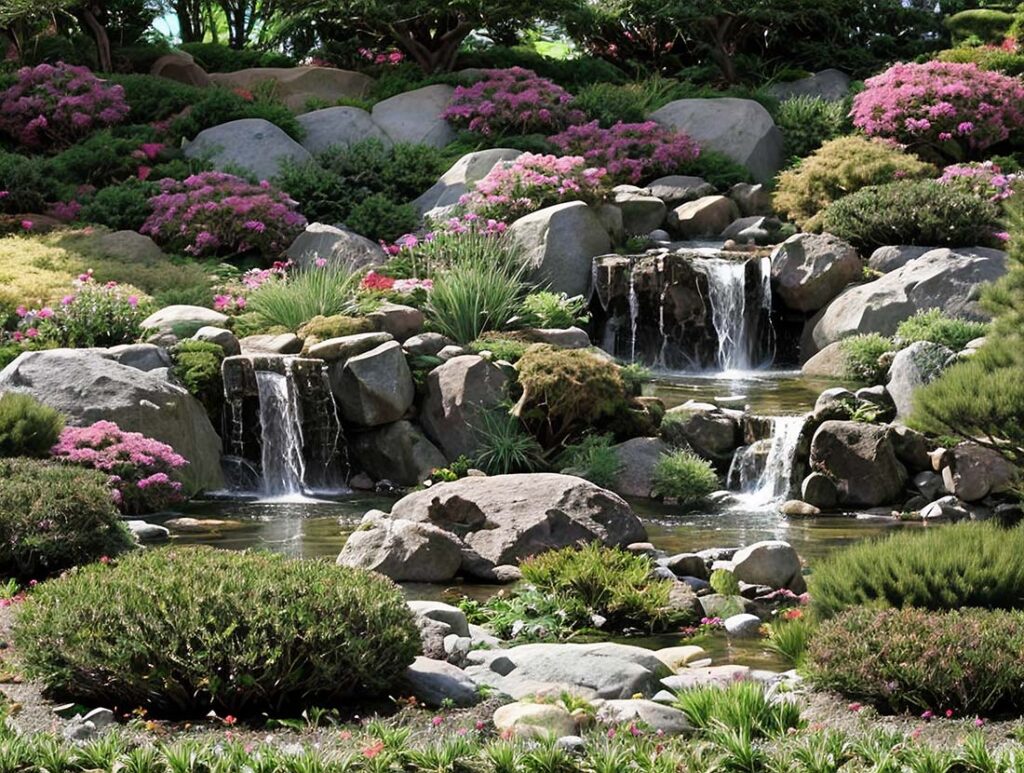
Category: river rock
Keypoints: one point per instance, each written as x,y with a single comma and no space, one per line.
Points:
338,350
675,189
753,229
663,720
182,321
444,195
339,127
437,683
375,387
147,533
415,116
886,259
940,279
743,625
396,319
506,518
268,344
426,344
709,430
220,336
831,85
563,338
972,472
677,658
451,616
947,508
335,245
146,357
711,676
913,367
405,551
397,452
254,145
637,459
534,720
740,128
809,270
457,392
559,243
642,212
88,387
819,490
707,216
773,563
686,565
752,199
862,461
830,362
296,86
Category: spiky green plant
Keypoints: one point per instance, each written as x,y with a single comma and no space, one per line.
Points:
314,291
505,446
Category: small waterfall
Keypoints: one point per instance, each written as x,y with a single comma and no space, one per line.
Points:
728,299
634,315
761,472
282,463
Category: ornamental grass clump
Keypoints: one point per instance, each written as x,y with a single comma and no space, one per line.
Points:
291,299
54,517
140,469
53,105
213,213
685,477
630,152
512,101
953,110
232,632
27,427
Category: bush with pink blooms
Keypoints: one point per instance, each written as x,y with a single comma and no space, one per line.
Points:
631,152
141,469
534,181
512,101
956,110
214,213
53,106
985,179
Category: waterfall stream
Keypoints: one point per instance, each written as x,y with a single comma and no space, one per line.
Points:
761,472
281,444
727,291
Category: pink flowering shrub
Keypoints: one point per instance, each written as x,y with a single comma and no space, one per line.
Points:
53,106
631,152
984,179
512,101
214,213
532,182
140,468
958,109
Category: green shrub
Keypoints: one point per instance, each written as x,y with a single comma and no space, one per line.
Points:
742,706
684,476
838,168
28,183
987,58
634,376
724,583
610,103
315,291
102,158
216,57
54,517
218,105
790,634
121,207
962,565
155,99
717,169
379,218
322,328
246,633
933,325
502,346
921,212
809,122
548,310
197,367
968,660
985,25
27,427
323,195
862,357
504,446
198,294
593,459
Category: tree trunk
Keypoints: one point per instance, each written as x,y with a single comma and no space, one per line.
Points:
88,16
722,48
437,55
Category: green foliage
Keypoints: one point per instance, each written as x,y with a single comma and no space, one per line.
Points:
962,565
973,663
724,583
933,325
239,623
379,218
216,57
28,183
809,122
315,291
684,476
790,634
984,25
121,207
218,105
502,346
610,103
987,58
593,459
54,517
102,158
550,311
322,328
742,706
862,357
155,99
197,367
921,212
27,427
717,169
838,168
504,446
634,376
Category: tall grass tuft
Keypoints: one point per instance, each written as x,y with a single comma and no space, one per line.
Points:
505,446
314,291
742,707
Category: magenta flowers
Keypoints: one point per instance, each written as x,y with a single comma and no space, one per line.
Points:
214,213
984,179
52,106
958,108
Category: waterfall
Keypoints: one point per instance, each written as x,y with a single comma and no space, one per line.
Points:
634,315
762,483
727,295
282,462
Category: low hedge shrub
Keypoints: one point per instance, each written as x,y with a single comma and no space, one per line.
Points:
237,633
27,427
932,325
684,476
862,357
54,517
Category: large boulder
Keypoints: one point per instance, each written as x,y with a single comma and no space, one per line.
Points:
457,393
862,461
415,116
740,128
972,472
831,85
809,270
296,86
405,551
335,245
773,563
912,368
182,320
87,386
457,181
940,279
126,245
637,459
829,362
339,127
560,243
886,259
180,67
707,216
375,387
437,683
642,212
675,189
396,452
251,144
712,432
507,518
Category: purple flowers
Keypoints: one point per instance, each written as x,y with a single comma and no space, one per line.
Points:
984,179
53,106
512,101
214,213
140,468
631,152
941,102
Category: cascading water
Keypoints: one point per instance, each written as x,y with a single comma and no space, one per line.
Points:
761,472
728,299
282,464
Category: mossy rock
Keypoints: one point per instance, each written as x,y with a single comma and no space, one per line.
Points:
322,328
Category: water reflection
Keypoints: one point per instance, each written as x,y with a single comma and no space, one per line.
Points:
766,392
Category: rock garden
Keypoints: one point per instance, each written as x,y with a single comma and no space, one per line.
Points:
511,388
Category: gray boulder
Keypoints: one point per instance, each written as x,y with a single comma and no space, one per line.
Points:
664,719
457,393
339,127
335,245
147,357
457,181
405,551
709,430
743,625
637,458
752,199
224,338
252,144
182,321
707,216
820,491
341,348
753,229
283,343
415,116
773,563
437,683
972,472
642,212
829,362
831,85
912,368
397,320
397,452
675,189
809,270
740,128
886,259
560,243
426,344
375,387
451,616
127,246
861,460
